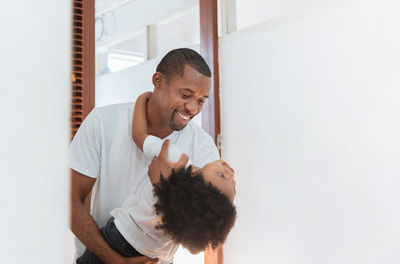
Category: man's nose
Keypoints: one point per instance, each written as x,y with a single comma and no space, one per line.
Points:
192,107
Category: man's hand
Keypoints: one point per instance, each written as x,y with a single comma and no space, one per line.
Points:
162,164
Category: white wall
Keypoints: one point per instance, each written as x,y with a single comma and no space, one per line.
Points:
252,12
135,15
34,110
126,85
310,122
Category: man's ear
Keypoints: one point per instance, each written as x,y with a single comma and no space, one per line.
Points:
158,80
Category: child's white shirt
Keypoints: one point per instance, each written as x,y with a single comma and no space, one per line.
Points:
136,219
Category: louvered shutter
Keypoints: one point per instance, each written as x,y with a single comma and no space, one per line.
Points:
83,62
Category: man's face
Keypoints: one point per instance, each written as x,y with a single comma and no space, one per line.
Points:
182,97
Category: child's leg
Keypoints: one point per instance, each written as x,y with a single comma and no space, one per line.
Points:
115,240
88,257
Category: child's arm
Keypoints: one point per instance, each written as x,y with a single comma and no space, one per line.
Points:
152,147
139,122
165,156
161,164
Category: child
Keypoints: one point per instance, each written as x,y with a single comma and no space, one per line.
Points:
178,204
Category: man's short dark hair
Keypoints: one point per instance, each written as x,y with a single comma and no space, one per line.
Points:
175,60
193,211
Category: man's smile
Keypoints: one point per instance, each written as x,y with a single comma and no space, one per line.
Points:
183,115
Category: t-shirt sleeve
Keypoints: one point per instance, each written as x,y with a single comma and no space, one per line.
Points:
208,152
152,147
85,148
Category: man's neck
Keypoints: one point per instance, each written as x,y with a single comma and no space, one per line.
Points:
154,124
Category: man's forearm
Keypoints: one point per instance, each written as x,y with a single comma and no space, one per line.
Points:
86,230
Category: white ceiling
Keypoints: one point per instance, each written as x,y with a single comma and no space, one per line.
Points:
130,17
102,6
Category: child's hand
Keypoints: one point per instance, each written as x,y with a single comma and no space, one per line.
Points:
161,165
143,98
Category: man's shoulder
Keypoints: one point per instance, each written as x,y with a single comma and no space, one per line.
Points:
193,127
114,110
115,107
112,119
199,145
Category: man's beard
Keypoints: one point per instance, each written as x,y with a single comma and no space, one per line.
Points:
172,124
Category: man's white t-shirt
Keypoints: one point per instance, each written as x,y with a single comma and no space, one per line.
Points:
103,148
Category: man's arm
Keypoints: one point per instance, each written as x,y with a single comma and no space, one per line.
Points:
86,229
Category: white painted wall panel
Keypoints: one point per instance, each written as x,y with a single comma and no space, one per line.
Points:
34,134
252,12
126,85
310,122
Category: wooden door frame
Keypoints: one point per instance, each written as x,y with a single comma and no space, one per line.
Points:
83,87
89,62
211,110
208,49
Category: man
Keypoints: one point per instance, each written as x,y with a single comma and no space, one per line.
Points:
105,159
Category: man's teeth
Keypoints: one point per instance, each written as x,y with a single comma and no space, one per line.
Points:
184,117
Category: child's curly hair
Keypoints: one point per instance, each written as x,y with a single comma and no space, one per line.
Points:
194,212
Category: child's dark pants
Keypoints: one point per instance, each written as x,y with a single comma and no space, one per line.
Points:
115,240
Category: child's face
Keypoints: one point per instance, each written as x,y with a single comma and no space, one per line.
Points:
221,175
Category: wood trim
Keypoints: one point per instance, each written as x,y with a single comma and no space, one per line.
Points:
209,50
213,256
83,62
211,110
88,91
